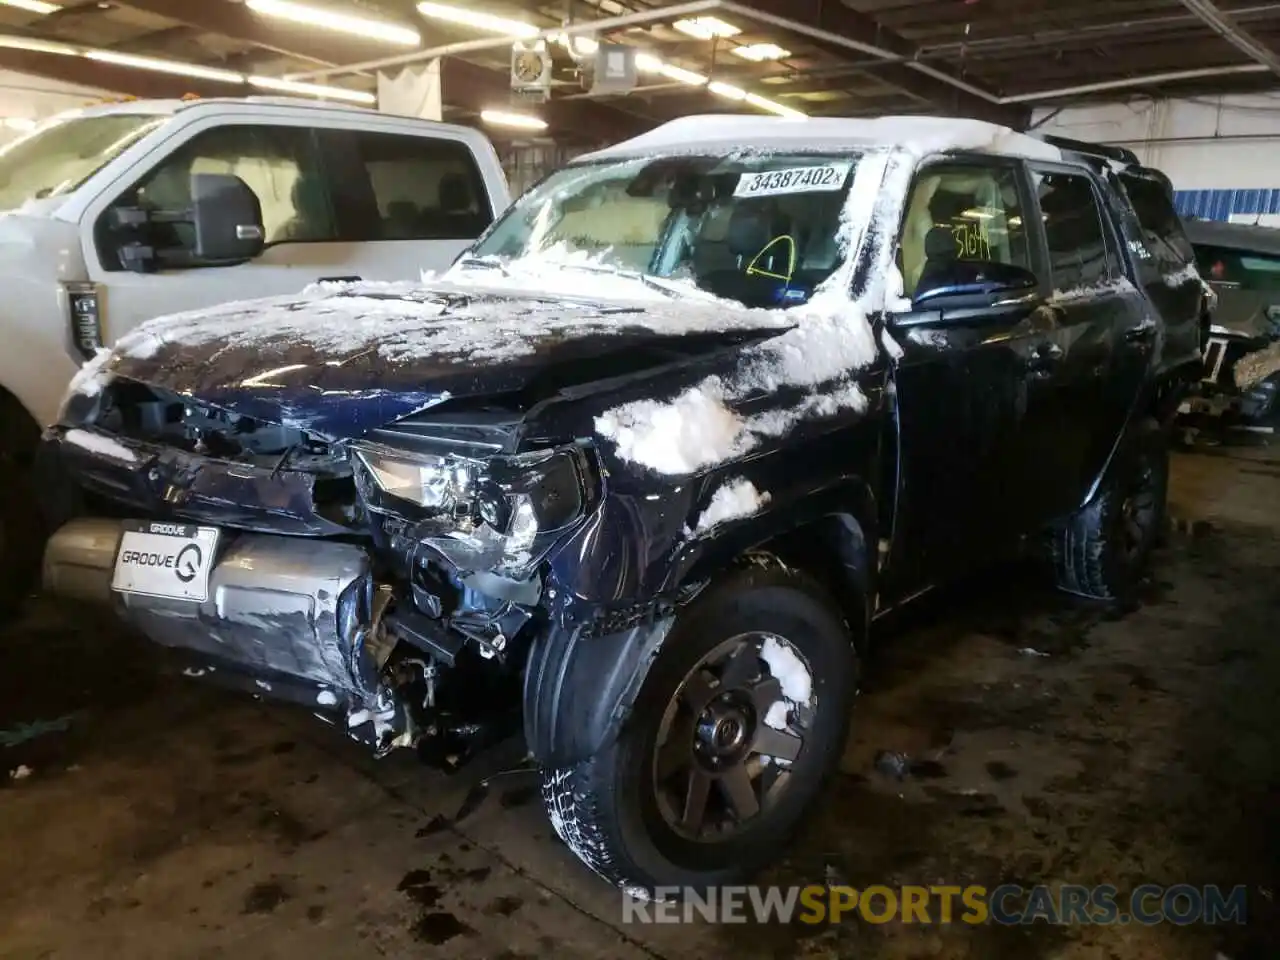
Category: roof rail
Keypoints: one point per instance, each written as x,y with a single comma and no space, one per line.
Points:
1121,154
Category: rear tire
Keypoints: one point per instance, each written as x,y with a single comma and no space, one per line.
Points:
21,524
1102,551
631,823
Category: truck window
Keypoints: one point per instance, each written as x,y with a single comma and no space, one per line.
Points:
1078,255
279,164
1161,228
962,212
424,188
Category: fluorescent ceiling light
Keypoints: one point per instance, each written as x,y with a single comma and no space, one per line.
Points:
761,51
21,124
772,106
339,22
727,90
280,85
38,46
32,6
504,118
165,66
681,75
706,28
467,17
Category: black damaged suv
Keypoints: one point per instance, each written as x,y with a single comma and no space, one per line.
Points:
645,466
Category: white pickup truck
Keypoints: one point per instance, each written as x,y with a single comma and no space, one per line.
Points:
118,213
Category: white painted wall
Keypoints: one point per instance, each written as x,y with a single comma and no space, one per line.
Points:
1207,143
23,98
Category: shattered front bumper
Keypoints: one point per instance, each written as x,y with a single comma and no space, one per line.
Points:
286,611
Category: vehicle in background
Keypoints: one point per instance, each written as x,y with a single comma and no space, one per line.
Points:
646,465
1241,262
119,213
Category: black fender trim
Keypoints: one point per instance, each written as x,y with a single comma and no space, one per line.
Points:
578,688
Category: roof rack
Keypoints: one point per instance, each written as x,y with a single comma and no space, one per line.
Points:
1120,154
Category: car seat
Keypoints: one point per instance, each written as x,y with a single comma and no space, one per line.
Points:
310,220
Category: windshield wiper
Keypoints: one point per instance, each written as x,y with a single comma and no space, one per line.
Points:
665,287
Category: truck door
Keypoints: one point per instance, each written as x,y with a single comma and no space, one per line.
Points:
1103,337
283,166
962,380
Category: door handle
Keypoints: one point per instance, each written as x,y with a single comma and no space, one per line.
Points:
338,279
1140,334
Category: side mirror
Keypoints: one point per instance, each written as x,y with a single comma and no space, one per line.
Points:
227,218
972,283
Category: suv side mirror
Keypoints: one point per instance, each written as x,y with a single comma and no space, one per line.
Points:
972,283
227,218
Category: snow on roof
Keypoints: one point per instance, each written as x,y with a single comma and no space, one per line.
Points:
919,135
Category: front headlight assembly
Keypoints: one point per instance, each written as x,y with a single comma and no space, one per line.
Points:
498,513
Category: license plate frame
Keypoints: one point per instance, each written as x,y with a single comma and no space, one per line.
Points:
168,561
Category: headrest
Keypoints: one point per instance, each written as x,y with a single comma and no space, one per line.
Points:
454,193
940,244
749,229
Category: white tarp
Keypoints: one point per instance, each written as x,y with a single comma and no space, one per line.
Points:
413,92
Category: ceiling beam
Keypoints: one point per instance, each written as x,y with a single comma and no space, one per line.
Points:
144,84
1226,27
940,89
463,84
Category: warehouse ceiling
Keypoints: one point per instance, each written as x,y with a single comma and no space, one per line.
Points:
993,59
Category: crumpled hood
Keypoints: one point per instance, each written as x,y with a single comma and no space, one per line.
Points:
344,360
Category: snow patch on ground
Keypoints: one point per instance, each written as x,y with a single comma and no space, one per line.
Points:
789,670
738,498
96,443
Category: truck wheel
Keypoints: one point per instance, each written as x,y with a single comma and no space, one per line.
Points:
1102,550
741,719
21,527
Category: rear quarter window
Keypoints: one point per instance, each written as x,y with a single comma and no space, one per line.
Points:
1161,229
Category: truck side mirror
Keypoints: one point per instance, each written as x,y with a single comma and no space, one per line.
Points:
227,218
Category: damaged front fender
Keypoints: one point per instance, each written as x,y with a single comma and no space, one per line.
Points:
579,688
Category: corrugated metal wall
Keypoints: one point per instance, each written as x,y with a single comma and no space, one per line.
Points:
1221,204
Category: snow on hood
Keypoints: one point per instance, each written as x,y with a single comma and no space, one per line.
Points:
407,322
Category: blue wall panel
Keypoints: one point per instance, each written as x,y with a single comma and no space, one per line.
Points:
1221,204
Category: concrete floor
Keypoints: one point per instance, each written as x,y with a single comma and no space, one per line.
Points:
173,821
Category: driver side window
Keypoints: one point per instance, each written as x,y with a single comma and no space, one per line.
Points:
961,212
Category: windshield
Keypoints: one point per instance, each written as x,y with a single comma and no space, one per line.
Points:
759,229
57,158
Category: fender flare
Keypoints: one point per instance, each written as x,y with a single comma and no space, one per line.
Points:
579,685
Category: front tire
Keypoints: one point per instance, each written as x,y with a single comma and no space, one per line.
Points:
1102,551
722,755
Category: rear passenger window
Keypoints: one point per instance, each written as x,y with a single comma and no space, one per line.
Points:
1161,228
1073,229
424,189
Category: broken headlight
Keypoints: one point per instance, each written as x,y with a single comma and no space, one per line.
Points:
497,513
